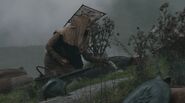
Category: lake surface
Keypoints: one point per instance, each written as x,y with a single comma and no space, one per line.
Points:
31,56
27,57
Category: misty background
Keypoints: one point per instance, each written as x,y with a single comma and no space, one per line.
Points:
26,25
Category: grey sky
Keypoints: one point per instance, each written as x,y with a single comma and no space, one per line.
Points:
31,22
130,14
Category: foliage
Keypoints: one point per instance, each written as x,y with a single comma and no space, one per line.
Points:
139,42
165,39
170,33
100,32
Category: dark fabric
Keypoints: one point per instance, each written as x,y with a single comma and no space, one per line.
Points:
69,52
54,68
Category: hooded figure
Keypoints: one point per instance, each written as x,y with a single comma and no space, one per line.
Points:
64,49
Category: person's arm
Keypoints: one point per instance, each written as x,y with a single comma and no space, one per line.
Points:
89,57
52,52
95,59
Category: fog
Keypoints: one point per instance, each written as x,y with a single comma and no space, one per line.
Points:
130,14
31,22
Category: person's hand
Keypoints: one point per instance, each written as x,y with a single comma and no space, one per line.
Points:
63,61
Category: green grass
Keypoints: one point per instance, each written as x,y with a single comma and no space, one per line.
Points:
112,95
117,94
21,95
149,72
17,96
106,95
13,97
86,81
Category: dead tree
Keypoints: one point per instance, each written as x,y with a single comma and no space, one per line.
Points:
100,34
